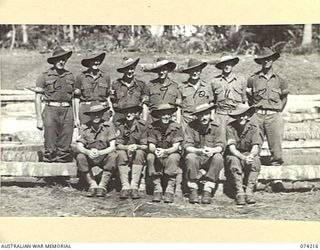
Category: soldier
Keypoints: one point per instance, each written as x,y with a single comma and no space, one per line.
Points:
93,85
56,88
194,91
96,147
229,88
162,89
164,138
244,141
126,89
131,148
268,93
205,142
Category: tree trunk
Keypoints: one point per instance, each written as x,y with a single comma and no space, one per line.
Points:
65,31
13,38
24,34
307,35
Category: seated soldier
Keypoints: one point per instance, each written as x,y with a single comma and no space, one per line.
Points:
164,138
204,145
244,141
131,146
96,147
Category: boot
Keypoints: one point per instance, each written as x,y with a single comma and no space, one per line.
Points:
92,184
142,185
237,177
252,180
102,188
178,189
136,173
193,197
206,196
124,178
157,192
170,189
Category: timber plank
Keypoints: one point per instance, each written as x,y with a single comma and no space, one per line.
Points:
38,169
292,172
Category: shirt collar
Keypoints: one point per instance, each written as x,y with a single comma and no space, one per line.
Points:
230,78
87,73
192,85
260,74
166,83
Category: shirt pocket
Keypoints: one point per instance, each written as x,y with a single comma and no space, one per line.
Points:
274,95
103,89
259,94
68,86
50,85
236,93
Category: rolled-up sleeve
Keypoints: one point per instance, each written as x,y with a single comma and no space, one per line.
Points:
189,137
231,139
221,138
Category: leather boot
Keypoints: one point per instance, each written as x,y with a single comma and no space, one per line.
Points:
193,197
252,180
142,185
157,192
136,174
102,188
92,184
168,195
124,178
178,189
237,177
207,189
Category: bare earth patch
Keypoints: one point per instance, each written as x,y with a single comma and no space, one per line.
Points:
59,201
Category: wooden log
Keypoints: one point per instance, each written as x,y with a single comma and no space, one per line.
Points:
17,98
22,147
33,180
305,130
16,92
21,156
294,117
38,169
292,172
289,185
311,143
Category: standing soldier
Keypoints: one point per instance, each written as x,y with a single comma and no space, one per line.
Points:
164,138
229,88
244,141
131,146
204,145
56,88
194,91
96,147
268,93
93,85
126,89
161,90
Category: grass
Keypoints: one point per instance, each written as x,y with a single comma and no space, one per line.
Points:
20,69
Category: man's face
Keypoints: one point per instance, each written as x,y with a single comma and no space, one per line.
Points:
165,117
131,115
163,73
60,63
96,117
94,65
204,117
243,119
227,68
195,74
129,73
267,63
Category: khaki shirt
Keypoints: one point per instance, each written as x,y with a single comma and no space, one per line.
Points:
164,139
267,94
213,136
245,139
93,89
137,134
100,138
157,93
229,93
121,94
56,87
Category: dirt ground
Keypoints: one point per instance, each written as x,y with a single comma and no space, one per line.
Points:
64,201
20,69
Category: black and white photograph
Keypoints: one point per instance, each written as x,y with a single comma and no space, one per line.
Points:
161,121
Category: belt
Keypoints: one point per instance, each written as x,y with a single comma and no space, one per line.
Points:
90,102
58,104
266,111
